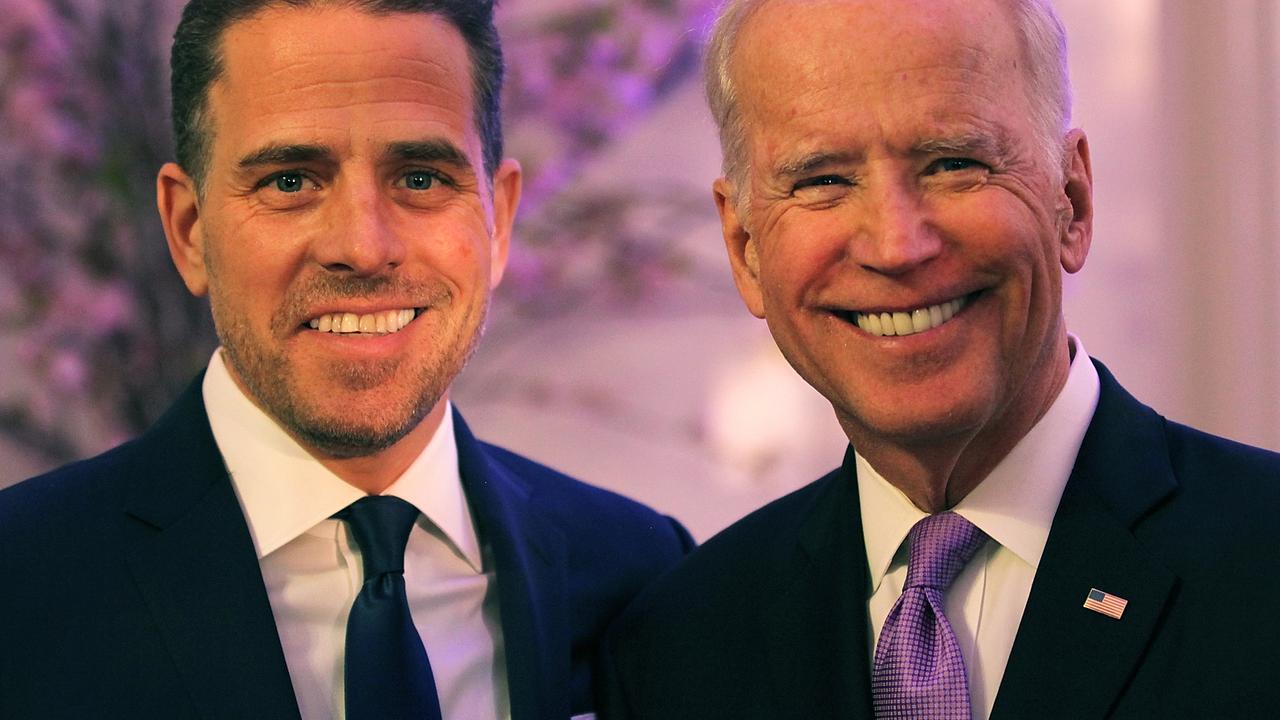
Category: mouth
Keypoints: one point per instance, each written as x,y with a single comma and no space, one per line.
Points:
906,322
384,322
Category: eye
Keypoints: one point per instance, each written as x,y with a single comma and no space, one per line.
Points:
954,164
822,181
420,180
289,182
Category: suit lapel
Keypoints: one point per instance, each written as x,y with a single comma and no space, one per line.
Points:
189,549
1069,661
530,559
816,614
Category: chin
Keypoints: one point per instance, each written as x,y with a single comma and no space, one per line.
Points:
905,424
342,438
354,423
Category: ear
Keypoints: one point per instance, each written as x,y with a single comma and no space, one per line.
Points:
507,185
744,255
179,206
1077,234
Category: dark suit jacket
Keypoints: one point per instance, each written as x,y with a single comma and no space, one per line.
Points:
130,588
769,619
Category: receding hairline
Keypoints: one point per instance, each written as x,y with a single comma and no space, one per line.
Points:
484,69
218,82
1041,52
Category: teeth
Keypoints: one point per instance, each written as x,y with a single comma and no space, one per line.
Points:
873,324
902,324
908,323
380,323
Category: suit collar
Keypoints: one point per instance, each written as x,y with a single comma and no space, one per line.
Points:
530,557
189,549
1068,661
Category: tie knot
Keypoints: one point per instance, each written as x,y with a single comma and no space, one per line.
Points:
941,545
380,525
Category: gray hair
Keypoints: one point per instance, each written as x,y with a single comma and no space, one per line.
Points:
1044,46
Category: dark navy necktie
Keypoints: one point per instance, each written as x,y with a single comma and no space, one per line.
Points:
388,675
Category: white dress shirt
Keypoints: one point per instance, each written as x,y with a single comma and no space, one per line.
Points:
1014,505
313,571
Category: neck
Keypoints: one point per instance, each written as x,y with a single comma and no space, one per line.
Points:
937,472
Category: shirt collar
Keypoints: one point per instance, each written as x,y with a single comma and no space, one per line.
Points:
1016,502
284,491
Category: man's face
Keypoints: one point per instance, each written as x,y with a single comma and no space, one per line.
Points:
345,234
894,172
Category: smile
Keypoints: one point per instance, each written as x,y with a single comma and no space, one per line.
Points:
379,323
908,322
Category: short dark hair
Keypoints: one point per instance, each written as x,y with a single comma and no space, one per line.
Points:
196,62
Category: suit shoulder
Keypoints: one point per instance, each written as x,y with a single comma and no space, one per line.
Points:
64,518
82,487
1196,449
580,507
761,529
738,560
1229,489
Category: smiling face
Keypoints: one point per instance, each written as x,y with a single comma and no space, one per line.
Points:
345,232
906,236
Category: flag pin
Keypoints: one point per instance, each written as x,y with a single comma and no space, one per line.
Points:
1100,602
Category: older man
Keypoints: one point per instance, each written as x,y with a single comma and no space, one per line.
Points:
311,530
1011,535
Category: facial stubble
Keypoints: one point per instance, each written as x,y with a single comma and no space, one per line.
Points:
264,371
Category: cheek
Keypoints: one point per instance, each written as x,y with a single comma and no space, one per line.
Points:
1000,236
461,259
462,255
803,251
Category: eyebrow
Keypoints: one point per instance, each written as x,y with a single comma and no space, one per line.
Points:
441,151
419,150
277,154
806,164
986,144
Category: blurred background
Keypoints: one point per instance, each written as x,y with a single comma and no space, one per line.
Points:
618,350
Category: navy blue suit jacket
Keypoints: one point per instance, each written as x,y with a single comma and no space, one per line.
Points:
130,588
768,620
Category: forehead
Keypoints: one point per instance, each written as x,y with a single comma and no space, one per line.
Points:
813,65
340,76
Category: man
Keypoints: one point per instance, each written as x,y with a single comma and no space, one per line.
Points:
342,199
1011,534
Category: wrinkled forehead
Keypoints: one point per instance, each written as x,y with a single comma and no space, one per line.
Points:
787,48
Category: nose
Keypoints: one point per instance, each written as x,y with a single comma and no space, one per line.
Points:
360,236
895,235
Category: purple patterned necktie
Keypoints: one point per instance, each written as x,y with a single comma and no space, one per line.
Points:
919,671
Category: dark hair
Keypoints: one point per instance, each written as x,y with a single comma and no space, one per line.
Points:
196,62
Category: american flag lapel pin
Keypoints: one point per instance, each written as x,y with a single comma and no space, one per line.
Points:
1101,602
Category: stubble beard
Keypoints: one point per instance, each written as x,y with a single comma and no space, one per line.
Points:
266,374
